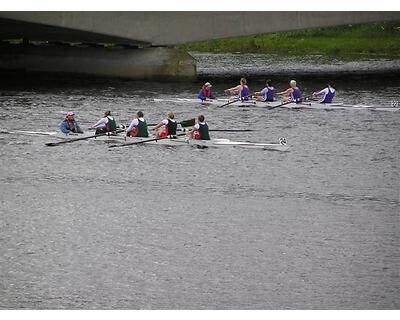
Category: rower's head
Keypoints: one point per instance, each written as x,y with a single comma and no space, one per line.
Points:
107,113
208,85
171,115
330,85
70,115
293,83
200,118
140,114
268,83
243,81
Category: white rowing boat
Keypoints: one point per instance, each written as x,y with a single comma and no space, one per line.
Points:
278,104
213,143
31,133
62,136
122,140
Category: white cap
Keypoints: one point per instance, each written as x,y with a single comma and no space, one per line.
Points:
207,84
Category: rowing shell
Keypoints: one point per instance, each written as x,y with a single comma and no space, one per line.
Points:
278,104
121,139
63,136
214,143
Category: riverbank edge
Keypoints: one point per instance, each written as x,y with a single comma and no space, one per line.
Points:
350,42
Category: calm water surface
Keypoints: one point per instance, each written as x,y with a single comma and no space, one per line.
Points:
147,227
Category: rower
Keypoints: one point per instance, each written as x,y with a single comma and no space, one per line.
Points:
205,92
200,130
138,127
168,127
266,94
292,94
328,92
105,124
69,125
241,91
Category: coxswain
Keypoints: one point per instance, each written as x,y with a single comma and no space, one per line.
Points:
205,92
292,94
105,124
266,94
328,92
167,127
241,91
69,125
200,130
138,127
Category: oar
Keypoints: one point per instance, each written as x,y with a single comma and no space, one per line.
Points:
225,130
232,130
188,123
53,144
280,105
230,102
309,98
233,101
184,123
142,141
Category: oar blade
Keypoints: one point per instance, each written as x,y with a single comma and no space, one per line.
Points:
232,130
188,123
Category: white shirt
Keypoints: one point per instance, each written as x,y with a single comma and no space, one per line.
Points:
325,92
197,126
102,123
134,123
165,121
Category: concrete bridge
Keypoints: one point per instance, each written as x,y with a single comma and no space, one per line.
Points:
140,44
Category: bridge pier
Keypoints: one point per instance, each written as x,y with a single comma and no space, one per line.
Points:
152,63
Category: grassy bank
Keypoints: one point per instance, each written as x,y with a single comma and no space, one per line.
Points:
373,39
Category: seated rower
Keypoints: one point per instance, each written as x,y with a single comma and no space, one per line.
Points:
241,91
167,127
266,94
293,93
105,124
328,92
205,92
200,130
138,127
69,125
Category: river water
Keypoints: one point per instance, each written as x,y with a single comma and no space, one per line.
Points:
147,227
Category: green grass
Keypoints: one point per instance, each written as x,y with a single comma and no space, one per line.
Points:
371,39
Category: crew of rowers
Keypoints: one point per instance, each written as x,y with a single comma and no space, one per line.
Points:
168,126
293,94
138,126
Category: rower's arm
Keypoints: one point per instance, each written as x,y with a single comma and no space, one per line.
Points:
234,89
158,125
323,91
101,123
285,93
130,128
